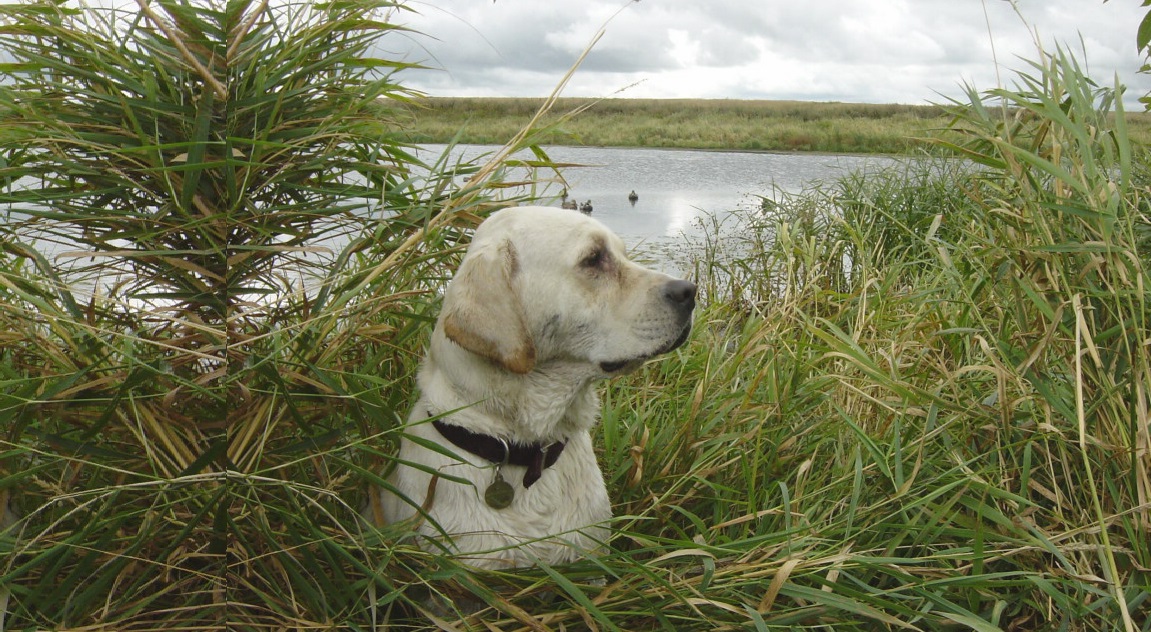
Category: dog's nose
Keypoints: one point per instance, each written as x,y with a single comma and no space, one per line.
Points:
681,294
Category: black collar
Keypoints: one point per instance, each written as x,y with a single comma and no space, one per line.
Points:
535,456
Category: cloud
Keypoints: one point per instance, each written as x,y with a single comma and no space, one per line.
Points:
907,51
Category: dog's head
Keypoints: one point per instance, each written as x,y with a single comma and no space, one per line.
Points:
543,283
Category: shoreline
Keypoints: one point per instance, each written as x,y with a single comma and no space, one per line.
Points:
777,152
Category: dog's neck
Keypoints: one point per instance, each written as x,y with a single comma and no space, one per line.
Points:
550,403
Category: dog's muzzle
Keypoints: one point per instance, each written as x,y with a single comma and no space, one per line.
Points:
680,295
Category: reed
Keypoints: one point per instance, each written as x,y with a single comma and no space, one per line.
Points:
177,324
915,399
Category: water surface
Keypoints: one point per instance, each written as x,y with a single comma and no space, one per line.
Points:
678,187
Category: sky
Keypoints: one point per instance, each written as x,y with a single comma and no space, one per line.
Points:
859,51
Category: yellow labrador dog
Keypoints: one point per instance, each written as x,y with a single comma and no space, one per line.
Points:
545,303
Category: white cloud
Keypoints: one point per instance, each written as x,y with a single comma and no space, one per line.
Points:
876,51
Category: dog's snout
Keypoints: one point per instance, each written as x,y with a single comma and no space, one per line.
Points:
680,294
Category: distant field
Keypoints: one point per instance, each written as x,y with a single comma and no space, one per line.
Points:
697,124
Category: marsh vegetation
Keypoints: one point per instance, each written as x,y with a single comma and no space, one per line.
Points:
734,125
914,400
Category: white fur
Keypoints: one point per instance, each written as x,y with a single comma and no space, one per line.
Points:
528,325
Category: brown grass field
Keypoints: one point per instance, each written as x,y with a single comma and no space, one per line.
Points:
737,125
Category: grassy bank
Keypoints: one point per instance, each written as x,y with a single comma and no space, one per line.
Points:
699,124
914,400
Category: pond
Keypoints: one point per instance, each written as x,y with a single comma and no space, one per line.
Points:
675,188
678,187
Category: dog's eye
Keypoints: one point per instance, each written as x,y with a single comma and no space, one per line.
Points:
596,259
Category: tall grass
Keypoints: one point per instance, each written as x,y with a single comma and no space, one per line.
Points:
915,399
954,361
209,219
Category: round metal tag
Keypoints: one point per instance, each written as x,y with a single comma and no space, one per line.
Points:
499,494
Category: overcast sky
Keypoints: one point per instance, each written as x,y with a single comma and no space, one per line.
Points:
870,51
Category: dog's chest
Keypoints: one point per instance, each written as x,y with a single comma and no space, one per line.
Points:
571,491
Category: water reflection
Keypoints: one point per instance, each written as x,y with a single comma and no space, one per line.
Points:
677,187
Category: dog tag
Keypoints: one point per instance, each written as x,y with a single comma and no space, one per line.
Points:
499,494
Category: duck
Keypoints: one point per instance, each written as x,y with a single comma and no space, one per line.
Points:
585,208
569,204
632,197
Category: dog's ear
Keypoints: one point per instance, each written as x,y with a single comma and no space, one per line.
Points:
483,313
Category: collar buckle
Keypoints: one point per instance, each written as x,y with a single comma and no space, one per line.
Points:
536,457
